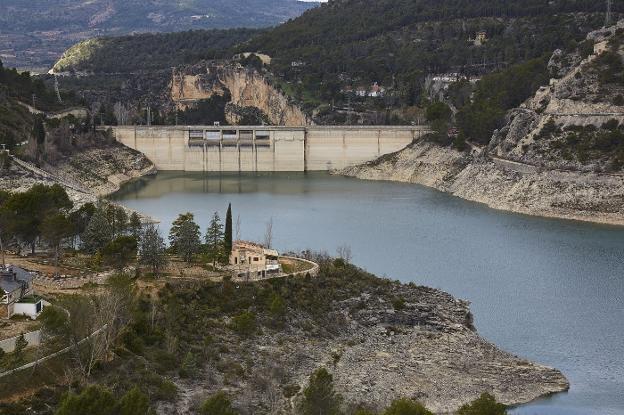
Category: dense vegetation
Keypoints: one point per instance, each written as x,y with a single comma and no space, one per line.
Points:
145,52
398,43
495,94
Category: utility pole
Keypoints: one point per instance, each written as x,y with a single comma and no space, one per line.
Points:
608,15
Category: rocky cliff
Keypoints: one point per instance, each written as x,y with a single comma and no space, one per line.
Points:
561,154
246,87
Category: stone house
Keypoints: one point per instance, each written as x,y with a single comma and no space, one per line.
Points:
17,293
249,259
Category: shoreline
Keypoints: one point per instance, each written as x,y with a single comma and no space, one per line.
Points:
584,197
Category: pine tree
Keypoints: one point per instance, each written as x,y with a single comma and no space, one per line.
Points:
319,397
98,232
18,352
214,239
135,226
184,236
227,244
152,249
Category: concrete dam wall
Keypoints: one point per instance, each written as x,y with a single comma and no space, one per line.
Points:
263,148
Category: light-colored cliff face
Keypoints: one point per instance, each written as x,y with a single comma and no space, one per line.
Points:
502,184
247,89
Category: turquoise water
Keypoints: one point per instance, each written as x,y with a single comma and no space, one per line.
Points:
548,290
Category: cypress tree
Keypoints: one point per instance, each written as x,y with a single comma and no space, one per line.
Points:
228,231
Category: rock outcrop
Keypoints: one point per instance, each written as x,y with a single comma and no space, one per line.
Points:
424,348
560,154
86,175
247,88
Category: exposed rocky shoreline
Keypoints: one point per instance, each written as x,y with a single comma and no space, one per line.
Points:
86,175
501,184
426,348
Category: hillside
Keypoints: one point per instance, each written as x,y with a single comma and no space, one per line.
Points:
559,154
358,61
145,52
35,33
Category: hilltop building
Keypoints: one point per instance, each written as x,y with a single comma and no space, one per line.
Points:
252,260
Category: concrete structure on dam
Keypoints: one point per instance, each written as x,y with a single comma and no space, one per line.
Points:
264,148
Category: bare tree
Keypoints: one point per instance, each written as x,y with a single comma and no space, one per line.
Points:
95,109
95,323
122,113
268,234
238,227
344,253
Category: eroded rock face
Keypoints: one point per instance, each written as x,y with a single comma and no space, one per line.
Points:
86,174
247,88
503,184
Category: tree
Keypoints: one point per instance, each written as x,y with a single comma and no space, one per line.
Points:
214,239
134,402
98,233
55,229
406,407
344,253
268,234
319,397
217,404
94,400
152,249
30,208
227,235
135,226
17,356
80,218
54,321
184,236
438,111
120,252
485,405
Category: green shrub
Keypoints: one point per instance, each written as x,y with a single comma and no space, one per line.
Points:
485,405
218,404
244,323
406,407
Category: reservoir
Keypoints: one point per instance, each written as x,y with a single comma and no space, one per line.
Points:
548,290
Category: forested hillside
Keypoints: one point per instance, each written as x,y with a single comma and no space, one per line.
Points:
35,33
150,51
397,43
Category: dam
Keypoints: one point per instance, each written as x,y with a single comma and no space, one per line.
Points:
264,148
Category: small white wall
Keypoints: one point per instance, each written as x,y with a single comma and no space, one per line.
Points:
26,309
